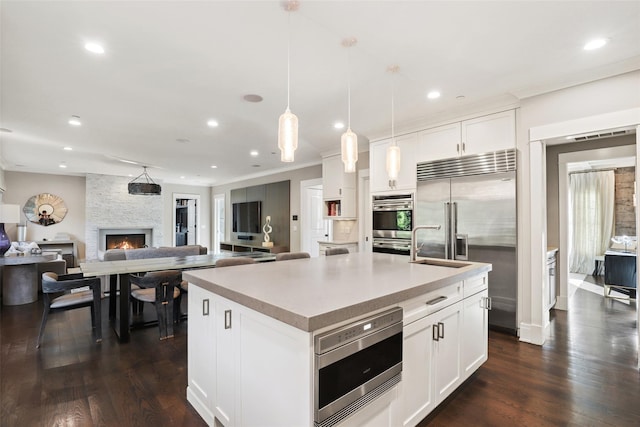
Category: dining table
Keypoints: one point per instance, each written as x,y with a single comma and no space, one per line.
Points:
119,312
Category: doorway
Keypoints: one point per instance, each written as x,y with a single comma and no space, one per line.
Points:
186,214
313,226
623,155
218,221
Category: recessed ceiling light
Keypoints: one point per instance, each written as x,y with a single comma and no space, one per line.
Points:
182,140
68,149
62,165
94,47
460,97
595,44
5,130
212,123
252,98
75,121
182,177
434,94
214,167
338,125
254,153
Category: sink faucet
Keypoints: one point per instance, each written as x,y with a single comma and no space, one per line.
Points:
414,247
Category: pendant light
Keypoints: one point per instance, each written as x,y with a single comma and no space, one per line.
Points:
349,140
143,185
288,122
393,151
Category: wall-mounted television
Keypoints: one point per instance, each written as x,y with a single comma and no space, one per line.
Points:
246,217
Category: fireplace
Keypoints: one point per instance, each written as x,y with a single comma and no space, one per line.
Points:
125,241
123,238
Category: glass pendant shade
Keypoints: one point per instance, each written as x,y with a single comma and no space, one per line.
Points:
393,162
287,135
349,142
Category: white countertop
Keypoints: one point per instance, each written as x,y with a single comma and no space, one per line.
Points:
310,294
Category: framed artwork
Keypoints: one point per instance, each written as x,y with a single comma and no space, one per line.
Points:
45,209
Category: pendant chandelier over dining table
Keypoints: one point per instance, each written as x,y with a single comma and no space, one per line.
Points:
288,122
349,140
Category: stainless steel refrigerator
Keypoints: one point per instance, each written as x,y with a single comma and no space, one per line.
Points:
473,198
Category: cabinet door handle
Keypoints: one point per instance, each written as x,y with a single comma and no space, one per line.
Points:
227,319
440,330
205,307
340,191
464,147
458,148
489,303
434,333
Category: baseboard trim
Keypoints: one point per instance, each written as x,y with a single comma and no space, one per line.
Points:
200,407
532,334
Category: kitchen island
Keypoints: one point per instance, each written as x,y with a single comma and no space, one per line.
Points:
252,330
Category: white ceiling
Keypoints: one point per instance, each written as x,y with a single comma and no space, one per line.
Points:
169,66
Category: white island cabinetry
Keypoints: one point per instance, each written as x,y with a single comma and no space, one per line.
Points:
236,356
445,341
252,329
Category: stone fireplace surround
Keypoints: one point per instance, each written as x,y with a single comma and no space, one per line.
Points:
110,208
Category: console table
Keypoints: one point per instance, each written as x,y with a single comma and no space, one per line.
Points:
68,249
247,246
20,277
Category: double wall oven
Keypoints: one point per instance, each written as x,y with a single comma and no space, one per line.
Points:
392,223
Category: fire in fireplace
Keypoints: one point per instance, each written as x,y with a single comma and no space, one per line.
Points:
125,241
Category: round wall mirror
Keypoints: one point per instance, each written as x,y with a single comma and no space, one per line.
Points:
45,209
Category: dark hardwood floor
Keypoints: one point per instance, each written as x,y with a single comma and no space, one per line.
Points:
585,375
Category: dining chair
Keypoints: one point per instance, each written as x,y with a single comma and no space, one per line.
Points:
240,260
285,256
336,251
162,289
65,284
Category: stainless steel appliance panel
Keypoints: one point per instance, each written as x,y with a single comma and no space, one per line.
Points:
433,205
473,199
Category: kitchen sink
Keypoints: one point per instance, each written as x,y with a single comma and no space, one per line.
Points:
441,263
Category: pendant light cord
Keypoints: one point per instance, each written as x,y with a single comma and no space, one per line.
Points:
392,112
288,57
348,88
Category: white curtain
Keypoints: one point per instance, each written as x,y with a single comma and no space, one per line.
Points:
592,200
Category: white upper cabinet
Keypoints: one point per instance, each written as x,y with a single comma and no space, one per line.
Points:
338,189
480,135
439,143
379,180
489,133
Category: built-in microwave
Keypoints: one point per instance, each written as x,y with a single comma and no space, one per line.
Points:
392,223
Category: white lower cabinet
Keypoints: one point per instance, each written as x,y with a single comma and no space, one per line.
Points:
244,368
446,326
441,349
417,372
200,353
475,332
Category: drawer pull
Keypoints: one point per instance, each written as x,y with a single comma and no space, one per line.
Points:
437,300
434,332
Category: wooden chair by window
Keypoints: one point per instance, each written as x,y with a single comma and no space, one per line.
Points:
53,283
240,260
284,256
162,289
336,251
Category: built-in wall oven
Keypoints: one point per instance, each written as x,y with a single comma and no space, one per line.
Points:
392,223
356,363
